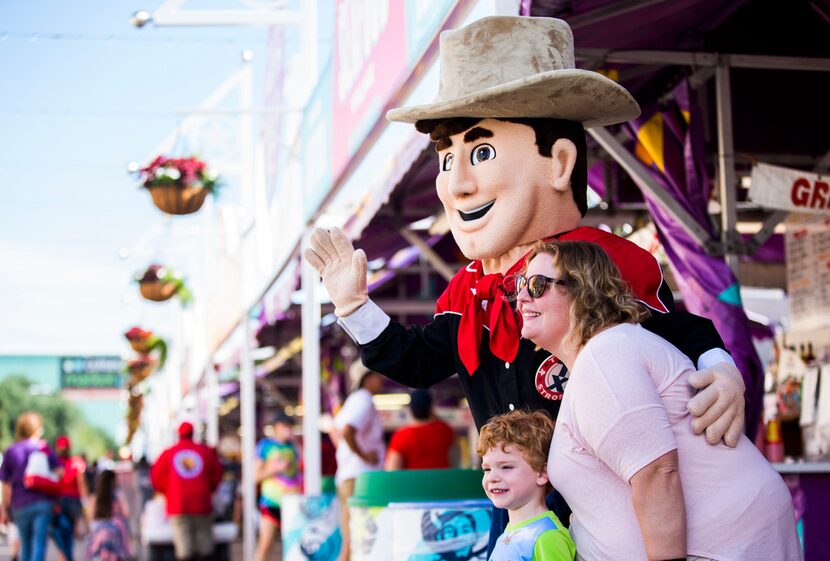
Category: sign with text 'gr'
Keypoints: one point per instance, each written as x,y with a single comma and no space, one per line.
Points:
91,371
790,189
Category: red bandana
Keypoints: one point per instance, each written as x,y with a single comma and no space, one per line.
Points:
499,316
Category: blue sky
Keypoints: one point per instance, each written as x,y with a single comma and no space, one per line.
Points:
74,111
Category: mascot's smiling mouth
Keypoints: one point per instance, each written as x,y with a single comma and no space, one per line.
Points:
476,213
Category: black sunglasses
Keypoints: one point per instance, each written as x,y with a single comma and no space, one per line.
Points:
512,285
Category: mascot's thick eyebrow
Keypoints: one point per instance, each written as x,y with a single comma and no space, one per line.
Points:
477,132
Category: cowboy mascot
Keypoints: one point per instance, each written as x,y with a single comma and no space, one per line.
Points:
508,126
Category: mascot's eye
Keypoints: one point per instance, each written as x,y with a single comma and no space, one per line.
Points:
481,153
446,165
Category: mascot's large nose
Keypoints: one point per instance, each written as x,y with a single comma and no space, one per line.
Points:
461,181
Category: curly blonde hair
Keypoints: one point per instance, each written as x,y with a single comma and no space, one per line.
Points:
599,295
528,431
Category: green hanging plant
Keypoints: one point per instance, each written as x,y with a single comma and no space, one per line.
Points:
159,283
145,342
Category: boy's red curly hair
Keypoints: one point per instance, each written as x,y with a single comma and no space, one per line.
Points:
529,432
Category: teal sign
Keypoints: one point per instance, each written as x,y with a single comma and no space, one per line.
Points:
91,372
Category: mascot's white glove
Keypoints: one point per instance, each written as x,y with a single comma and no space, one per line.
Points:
719,407
342,268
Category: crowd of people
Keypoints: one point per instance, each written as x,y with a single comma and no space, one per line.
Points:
50,494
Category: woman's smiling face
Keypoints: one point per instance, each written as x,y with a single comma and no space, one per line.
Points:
546,320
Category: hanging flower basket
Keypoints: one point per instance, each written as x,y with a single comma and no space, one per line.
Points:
178,201
158,283
145,342
140,368
178,185
156,290
131,430
134,404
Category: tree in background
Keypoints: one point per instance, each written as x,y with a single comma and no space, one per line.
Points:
59,417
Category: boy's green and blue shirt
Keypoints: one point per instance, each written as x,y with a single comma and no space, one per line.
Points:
541,538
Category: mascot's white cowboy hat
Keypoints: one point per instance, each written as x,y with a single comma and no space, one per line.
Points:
510,66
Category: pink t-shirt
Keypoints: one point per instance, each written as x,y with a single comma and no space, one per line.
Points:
625,406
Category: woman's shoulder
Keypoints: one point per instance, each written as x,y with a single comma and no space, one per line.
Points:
613,336
630,348
632,336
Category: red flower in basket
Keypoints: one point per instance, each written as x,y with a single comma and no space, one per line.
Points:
178,185
145,342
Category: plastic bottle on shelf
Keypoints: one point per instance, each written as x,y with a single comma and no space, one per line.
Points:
774,444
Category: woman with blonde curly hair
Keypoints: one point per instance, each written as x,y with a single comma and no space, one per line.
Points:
640,483
31,508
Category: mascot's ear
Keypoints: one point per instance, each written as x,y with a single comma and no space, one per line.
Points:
562,165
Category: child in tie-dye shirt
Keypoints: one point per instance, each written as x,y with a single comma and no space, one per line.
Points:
277,470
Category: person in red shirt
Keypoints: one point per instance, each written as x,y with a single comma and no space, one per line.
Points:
424,444
187,474
73,494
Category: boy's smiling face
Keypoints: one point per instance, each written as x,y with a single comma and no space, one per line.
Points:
509,480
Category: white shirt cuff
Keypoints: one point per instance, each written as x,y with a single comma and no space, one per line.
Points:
713,357
365,324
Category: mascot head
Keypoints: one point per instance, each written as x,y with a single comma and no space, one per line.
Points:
508,124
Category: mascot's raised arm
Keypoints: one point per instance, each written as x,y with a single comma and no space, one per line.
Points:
508,125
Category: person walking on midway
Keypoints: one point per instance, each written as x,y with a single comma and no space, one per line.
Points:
73,494
277,470
423,444
187,474
32,509
109,539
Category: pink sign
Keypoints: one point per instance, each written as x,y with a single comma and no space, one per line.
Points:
370,61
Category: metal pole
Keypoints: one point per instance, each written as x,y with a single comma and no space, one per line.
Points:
247,383
429,254
247,407
212,389
311,376
726,167
649,185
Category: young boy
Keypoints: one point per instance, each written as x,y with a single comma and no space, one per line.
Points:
514,451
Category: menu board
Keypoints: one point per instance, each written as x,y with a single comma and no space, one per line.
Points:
808,270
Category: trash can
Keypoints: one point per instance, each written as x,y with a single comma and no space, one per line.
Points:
441,530
311,525
374,534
